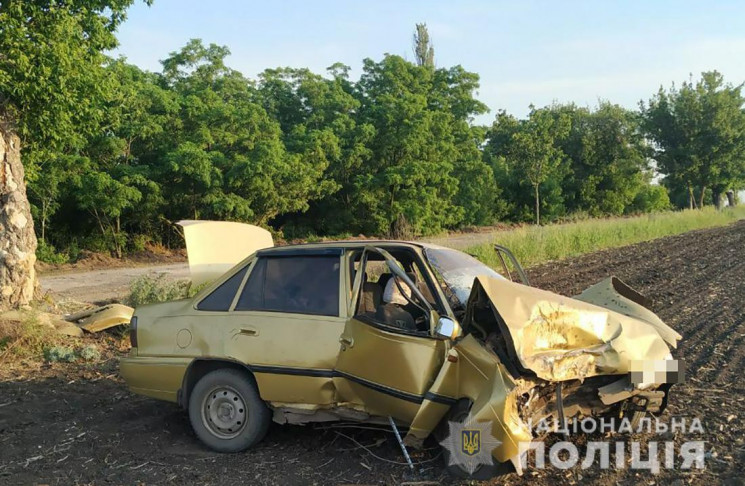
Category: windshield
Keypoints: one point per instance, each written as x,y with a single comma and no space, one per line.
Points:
458,270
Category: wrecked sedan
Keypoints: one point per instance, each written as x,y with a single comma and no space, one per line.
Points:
410,334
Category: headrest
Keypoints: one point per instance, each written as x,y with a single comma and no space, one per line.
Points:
392,294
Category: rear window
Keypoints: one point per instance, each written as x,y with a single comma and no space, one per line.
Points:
221,298
296,284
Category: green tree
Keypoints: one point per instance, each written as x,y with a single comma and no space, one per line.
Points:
51,69
608,158
424,51
529,152
51,77
105,199
235,162
699,135
416,112
318,123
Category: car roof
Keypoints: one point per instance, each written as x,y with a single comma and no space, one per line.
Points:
346,244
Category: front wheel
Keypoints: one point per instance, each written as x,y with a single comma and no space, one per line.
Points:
226,411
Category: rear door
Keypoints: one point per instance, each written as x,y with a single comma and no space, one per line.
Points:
286,322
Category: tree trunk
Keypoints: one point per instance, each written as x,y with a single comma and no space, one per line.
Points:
17,238
716,198
701,198
691,199
731,198
537,206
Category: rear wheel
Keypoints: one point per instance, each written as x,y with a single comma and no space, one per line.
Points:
226,411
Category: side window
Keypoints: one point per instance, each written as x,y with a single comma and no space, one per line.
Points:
221,298
388,300
298,284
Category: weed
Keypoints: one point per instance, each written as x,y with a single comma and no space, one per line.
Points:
90,353
25,336
62,354
149,289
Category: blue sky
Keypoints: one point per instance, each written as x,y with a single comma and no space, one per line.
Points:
525,51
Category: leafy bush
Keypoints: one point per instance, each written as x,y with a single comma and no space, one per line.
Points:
650,198
138,243
149,289
48,254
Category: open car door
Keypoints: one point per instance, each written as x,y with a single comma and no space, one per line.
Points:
385,368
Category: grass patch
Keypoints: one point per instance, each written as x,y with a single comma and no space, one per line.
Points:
26,338
538,244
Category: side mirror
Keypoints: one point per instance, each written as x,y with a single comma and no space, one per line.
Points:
447,328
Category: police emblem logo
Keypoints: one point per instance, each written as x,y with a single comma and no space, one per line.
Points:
471,441
470,444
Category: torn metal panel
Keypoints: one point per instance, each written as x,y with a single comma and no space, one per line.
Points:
100,318
560,338
214,247
615,295
616,391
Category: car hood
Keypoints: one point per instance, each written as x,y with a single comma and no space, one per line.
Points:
601,331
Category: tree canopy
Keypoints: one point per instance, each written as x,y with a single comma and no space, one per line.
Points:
116,155
699,135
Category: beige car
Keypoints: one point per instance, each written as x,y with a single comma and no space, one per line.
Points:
410,334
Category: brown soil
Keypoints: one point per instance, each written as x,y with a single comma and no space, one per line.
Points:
77,424
151,255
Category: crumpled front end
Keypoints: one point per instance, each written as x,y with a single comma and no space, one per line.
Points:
530,356
560,338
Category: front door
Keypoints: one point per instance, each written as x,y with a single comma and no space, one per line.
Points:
385,365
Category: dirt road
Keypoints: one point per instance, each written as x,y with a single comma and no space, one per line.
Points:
77,424
103,285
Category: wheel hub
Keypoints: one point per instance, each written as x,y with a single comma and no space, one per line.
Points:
224,412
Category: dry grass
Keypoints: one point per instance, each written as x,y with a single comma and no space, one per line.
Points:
26,338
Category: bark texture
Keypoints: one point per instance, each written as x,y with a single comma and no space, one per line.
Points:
17,238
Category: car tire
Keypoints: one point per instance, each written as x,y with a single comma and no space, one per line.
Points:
226,411
459,413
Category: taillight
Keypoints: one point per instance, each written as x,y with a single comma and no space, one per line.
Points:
133,331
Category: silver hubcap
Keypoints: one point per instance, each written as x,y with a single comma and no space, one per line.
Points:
224,412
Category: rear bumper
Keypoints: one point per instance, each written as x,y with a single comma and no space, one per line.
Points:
156,377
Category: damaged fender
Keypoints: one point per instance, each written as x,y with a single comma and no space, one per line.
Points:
475,374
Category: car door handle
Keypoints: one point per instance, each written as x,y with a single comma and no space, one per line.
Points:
346,341
248,331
